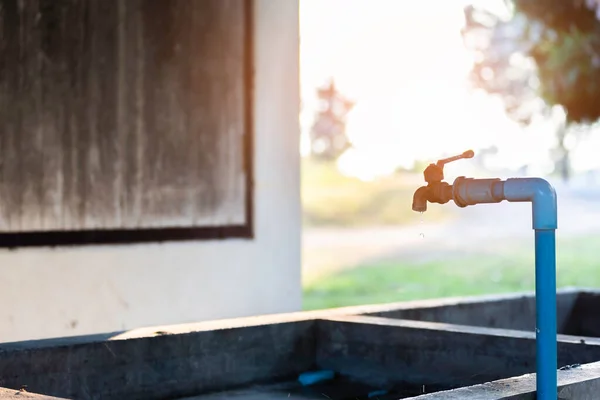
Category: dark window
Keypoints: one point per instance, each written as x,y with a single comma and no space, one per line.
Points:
124,121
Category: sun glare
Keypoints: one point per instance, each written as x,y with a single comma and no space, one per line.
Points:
405,66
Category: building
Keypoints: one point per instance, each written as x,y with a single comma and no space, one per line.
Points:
87,248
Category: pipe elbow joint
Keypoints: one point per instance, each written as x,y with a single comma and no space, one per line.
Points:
542,196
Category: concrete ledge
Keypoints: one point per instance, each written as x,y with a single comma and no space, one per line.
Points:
388,310
576,312
9,394
578,383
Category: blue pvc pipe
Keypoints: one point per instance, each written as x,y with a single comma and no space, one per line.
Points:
545,303
542,197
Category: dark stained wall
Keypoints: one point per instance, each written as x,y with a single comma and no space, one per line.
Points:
123,114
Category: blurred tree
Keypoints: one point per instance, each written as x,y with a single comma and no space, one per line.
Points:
328,136
545,55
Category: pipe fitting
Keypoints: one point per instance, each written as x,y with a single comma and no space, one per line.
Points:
542,196
538,191
469,191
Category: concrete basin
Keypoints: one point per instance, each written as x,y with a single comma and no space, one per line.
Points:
394,351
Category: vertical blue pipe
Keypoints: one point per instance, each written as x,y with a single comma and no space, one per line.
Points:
545,303
544,218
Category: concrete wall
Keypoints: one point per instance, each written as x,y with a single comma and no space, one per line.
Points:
73,291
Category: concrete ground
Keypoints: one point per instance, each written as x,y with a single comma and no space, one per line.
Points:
490,228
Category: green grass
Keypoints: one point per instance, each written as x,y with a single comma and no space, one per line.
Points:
578,264
331,199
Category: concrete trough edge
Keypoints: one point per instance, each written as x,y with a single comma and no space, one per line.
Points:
458,328
271,319
579,382
10,394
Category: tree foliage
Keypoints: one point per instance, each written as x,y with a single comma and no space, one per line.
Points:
328,133
546,54
547,50
502,64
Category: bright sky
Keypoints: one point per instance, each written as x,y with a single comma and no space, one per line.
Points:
404,64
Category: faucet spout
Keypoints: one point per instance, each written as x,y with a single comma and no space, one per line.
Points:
437,192
420,199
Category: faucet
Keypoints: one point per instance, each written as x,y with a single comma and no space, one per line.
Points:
542,196
436,191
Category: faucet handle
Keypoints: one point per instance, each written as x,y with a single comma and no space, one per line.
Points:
435,172
466,154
